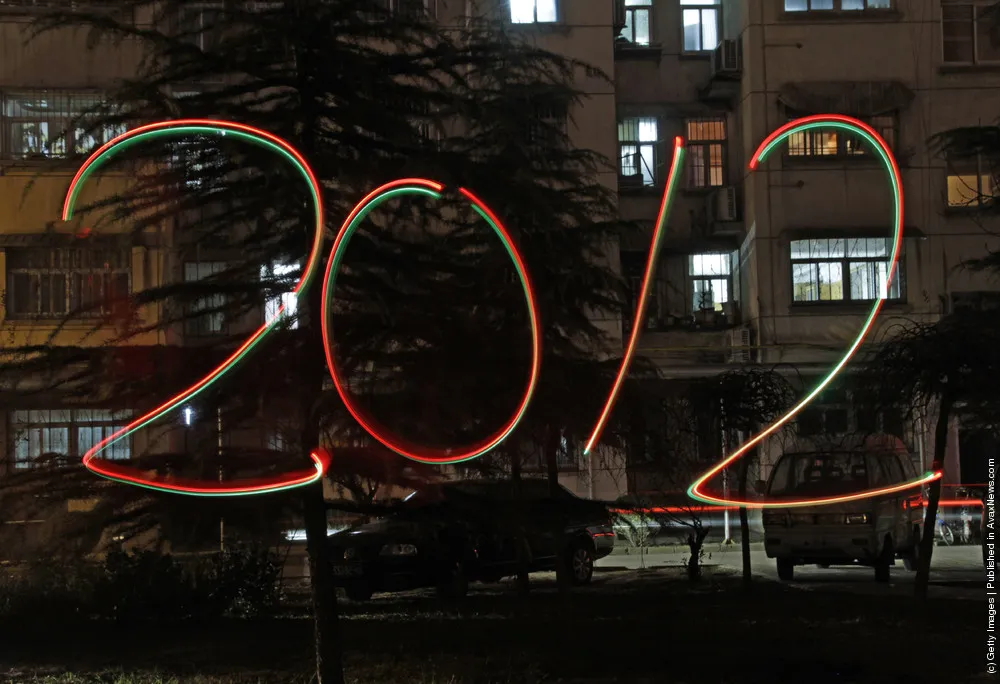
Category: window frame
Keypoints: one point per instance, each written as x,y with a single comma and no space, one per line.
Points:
844,140
68,137
693,278
193,323
974,6
983,201
55,255
714,6
630,12
74,421
845,262
837,8
652,145
705,145
557,11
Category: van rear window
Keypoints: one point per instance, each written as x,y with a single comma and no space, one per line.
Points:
825,473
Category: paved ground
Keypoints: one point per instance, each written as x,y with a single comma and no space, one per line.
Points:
956,571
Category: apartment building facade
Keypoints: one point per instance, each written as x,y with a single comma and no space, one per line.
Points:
774,267
781,266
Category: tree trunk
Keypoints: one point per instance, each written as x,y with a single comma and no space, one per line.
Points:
552,443
312,367
933,496
744,473
522,583
326,637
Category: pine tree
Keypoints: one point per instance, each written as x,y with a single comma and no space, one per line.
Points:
427,303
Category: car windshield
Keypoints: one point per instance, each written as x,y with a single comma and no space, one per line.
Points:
819,473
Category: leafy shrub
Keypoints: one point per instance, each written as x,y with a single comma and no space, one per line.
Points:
147,586
244,581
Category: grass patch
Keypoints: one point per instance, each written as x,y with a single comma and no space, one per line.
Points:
629,626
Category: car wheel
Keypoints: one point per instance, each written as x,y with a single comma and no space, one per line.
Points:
884,560
358,592
453,583
786,569
911,559
579,564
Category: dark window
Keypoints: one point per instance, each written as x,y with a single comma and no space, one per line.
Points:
966,33
46,283
212,322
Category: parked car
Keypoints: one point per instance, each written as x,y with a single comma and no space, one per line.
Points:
873,531
447,535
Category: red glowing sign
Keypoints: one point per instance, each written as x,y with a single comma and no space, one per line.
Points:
415,186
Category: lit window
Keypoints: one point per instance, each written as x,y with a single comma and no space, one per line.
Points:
834,270
212,321
69,433
49,124
971,183
700,19
637,15
706,152
842,5
637,139
48,283
966,33
533,11
830,143
283,277
711,280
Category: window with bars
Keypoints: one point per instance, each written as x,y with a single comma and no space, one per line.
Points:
534,11
68,432
49,124
282,274
971,183
706,152
548,126
567,458
637,141
826,143
52,283
711,280
966,33
638,14
700,21
839,269
836,5
213,320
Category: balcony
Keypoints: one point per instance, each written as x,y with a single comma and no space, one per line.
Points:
708,336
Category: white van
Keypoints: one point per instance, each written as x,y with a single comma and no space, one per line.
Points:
871,532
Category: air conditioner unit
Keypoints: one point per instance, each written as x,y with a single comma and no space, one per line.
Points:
728,57
739,345
722,204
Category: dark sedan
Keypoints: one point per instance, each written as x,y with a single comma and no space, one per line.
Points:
447,535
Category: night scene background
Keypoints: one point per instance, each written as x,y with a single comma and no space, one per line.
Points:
539,560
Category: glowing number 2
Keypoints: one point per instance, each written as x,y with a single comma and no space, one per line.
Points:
863,130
